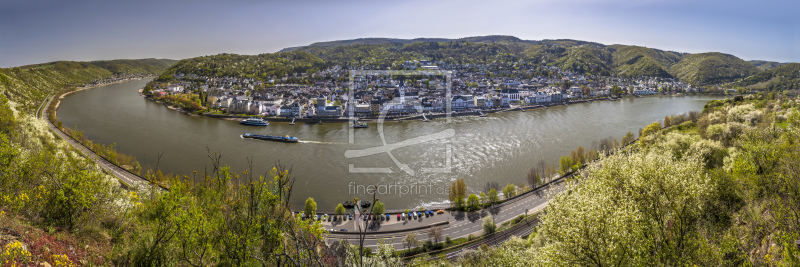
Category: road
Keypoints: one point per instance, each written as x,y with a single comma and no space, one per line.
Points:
123,175
461,224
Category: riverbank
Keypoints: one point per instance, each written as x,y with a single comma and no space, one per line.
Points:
78,89
395,118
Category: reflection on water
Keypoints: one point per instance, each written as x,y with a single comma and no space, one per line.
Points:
500,147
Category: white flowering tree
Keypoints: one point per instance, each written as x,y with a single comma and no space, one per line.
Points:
637,209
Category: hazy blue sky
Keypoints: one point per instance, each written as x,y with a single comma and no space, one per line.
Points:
34,31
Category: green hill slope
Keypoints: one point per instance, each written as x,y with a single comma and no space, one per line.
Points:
246,66
28,85
635,61
786,77
766,65
709,68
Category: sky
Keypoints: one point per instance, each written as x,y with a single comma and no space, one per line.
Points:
38,31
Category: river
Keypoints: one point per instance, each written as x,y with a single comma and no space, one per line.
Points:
501,147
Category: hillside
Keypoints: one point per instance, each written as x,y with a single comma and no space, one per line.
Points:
574,55
373,41
28,85
711,68
766,65
258,66
635,61
786,77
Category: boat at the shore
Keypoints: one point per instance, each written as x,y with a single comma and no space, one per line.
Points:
255,122
357,124
285,139
348,204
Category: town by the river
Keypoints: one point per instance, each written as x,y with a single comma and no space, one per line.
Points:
412,161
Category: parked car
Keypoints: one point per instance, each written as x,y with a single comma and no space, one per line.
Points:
351,217
342,230
387,217
398,217
440,211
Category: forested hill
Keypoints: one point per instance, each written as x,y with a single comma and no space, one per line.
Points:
786,77
246,66
574,55
29,84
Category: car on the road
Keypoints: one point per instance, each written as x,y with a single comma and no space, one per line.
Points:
332,230
342,230
440,211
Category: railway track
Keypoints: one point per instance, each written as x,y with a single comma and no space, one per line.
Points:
520,229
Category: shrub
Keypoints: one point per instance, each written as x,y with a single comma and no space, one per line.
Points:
488,225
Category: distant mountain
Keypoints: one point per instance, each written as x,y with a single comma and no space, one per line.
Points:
375,41
766,65
29,84
574,55
786,77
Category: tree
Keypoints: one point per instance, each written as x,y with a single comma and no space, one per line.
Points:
410,241
458,190
643,206
565,163
484,198
509,191
378,208
339,209
491,185
534,177
650,129
488,225
667,122
628,138
493,197
435,233
616,90
311,207
473,202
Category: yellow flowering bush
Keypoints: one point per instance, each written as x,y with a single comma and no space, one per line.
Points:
15,253
62,261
